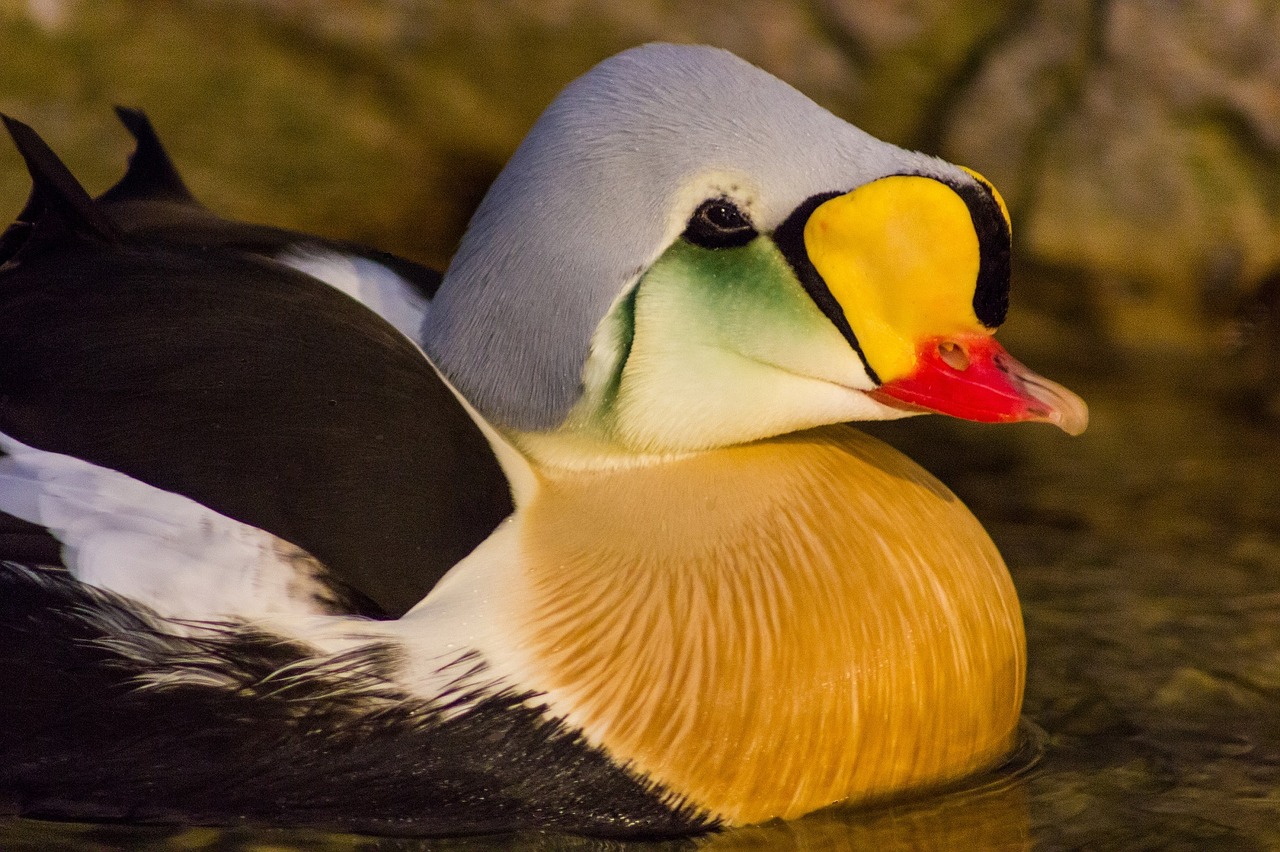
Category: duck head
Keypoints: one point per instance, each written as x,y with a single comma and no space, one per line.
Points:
687,253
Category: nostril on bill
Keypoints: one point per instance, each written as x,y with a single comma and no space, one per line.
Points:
953,355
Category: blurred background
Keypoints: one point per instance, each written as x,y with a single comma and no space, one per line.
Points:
1137,143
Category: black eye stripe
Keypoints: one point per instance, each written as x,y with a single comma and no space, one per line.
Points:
789,237
717,224
991,293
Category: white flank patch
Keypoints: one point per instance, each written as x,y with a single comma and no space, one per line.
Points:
368,282
474,609
458,646
178,557
192,565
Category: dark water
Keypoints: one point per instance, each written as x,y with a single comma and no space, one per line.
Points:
1147,556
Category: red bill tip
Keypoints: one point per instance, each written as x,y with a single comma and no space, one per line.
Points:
974,378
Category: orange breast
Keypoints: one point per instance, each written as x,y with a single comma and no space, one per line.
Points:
771,628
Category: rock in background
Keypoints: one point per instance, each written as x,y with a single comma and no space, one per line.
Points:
1137,141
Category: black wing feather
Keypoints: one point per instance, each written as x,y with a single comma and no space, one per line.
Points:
205,369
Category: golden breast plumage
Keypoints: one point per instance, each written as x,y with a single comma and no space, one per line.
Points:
772,627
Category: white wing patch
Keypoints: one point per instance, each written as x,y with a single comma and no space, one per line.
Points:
368,282
178,557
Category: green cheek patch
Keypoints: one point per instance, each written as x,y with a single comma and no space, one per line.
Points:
746,300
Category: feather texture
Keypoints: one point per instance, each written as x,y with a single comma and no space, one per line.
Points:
163,550
771,628
374,285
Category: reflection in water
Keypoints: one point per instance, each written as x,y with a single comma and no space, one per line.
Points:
991,812
993,815
992,819
1147,558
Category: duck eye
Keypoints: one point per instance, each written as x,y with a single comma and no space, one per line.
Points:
718,223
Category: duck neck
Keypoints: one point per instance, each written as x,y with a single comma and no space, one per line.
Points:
769,628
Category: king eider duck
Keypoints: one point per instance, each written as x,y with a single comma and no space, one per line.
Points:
711,604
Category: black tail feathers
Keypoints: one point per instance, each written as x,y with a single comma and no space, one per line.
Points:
58,205
151,175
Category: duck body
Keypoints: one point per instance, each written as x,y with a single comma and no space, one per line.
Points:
604,562
775,665
722,721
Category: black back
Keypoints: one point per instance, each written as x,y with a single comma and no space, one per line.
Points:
203,368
